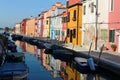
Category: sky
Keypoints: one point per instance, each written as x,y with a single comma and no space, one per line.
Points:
14,11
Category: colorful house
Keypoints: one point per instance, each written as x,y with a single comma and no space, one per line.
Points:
40,24
74,31
52,32
44,24
58,21
94,22
36,26
114,24
23,26
30,27
64,26
48,20
17,28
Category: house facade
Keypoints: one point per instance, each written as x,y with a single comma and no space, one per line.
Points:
58,22
48,22
74,24
30,27
17,28
95,27
23,26
64,26
40,24
114,24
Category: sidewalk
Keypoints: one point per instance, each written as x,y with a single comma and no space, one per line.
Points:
79,48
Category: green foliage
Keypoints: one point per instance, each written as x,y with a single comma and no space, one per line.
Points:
113,46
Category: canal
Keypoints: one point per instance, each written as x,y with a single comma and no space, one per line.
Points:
45,67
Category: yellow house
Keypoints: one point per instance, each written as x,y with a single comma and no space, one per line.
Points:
72,73
74,31
48,15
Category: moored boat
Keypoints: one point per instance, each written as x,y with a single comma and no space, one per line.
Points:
13,71
85,65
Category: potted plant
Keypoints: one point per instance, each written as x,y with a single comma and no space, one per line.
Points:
114,46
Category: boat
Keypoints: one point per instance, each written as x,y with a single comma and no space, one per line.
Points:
41,45
13,71
62,54
85,65
15,57
50,47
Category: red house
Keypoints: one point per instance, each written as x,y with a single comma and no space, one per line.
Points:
23,27
114,24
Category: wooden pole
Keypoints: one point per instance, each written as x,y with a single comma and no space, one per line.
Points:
101,50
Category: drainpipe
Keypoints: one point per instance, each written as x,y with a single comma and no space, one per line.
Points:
96,26
77,22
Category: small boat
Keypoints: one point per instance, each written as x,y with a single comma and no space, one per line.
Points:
85,65
49,48
41,45
13,71
62,54
15,57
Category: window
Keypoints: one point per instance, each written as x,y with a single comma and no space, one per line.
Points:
36,24
64,19
111,5
84,9
67,3
68,32
103,34
68,18
111,35
74,33
63,33
74,15
92,7
47,22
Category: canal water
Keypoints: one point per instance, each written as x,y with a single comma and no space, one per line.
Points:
45,67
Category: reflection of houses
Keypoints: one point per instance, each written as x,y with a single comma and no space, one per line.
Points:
23,45
30,48
72,73
45,59
55,65
74,24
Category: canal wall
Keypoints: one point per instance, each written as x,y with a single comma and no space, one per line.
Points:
106,61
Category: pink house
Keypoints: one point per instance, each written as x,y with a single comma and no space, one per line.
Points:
114,24
36,27
64,27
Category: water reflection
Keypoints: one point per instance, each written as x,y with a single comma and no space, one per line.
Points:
55,68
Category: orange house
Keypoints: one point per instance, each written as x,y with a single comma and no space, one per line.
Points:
30,27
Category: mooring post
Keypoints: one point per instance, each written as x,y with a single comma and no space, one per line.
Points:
100,53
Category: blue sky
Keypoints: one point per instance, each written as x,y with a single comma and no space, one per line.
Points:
13,11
